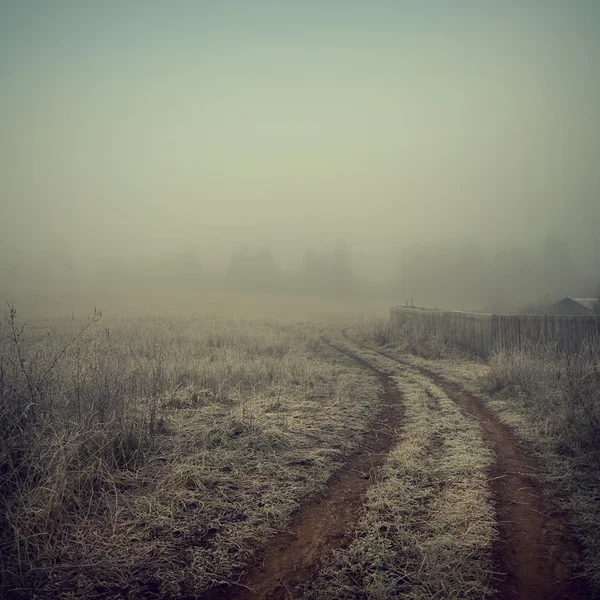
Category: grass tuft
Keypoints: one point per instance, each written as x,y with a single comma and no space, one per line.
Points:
410,338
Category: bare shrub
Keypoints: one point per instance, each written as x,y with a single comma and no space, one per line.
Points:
417,338
176,439
377,331
553,398
65,424
562,390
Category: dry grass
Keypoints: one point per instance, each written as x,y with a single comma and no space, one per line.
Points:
562,390
428,524
409,338
151,457
553,401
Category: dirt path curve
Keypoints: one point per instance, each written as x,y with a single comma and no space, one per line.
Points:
324,523
535,551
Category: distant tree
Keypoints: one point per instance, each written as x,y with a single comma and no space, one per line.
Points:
414,278
240,267
512,281
255,270
314,272
267,273
310,263
342,279
182,269
557,266
341,259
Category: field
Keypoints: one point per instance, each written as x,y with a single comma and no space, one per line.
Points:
252,457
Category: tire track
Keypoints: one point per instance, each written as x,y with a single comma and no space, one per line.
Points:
324,523
536,553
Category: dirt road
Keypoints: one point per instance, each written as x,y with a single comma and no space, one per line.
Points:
534,554
325,522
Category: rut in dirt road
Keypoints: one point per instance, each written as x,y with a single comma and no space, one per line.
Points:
322,524
536,552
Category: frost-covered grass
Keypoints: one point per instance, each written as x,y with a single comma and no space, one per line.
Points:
552,401
427,525
153,456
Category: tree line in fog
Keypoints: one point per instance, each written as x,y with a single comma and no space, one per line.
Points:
451,274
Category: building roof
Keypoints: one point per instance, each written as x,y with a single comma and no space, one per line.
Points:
588,303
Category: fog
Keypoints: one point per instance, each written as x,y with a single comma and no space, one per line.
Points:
441,153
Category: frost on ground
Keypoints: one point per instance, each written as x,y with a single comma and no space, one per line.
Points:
427,527
550,400
162,453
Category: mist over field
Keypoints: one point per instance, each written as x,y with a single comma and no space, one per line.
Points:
440,153
219,224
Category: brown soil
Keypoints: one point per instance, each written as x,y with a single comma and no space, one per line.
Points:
536,554
535,549
324,523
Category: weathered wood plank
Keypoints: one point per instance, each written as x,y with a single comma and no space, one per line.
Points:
485,333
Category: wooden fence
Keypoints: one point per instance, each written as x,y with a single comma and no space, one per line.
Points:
484,333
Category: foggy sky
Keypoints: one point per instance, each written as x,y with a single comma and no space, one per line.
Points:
138,128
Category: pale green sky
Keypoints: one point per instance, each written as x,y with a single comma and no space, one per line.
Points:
140,127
